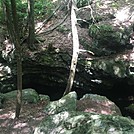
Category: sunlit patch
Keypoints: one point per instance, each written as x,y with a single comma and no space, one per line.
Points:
57,118
39,118
97,81
116,70
39,24
123,14
12,116
62,101
8,115
132,56
105,112
90,110
95,116
55,0
20,125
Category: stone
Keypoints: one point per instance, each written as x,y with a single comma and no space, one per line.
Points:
29,95
66,103
97,104
63,118
73,122
44,97
113,67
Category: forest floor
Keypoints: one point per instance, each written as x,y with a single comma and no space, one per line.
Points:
31,115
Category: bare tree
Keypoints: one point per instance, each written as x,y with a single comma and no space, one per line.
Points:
75,48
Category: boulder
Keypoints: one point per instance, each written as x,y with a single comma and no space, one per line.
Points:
64,119
97,104
72,122
66,103
28,95
44,97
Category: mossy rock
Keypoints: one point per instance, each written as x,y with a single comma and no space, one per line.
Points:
72,122
105,36
28,95
44,97
116,68
66,103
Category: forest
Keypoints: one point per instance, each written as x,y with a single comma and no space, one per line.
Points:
66,66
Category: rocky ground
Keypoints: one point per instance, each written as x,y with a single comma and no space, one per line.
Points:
31,116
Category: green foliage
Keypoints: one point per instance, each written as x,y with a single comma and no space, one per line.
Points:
82,3
115,5
105,35
62,29
96,31
2,16
22,13
85,43
130,107
107,39
43,8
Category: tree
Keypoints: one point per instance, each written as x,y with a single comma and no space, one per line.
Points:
31,37
75,48
12,25
18,58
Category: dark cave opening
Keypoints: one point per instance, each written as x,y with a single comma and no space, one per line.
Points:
121,93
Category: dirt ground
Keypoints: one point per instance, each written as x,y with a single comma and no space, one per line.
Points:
31,115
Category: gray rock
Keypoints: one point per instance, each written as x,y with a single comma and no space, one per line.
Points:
29,95
64,119
97,104
67,103
44,97
85,123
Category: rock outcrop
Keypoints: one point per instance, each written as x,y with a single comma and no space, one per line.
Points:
28,96
66,121
97,104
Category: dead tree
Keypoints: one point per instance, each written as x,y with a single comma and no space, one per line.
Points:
75,48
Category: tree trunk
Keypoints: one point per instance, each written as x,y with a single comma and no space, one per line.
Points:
3,10
18,57
75,49
31,37
8,19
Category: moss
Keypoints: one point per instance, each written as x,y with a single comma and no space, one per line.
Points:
63,29
107,39
28,95
112,67
85,123
130,108
97,31
104,34
84,43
